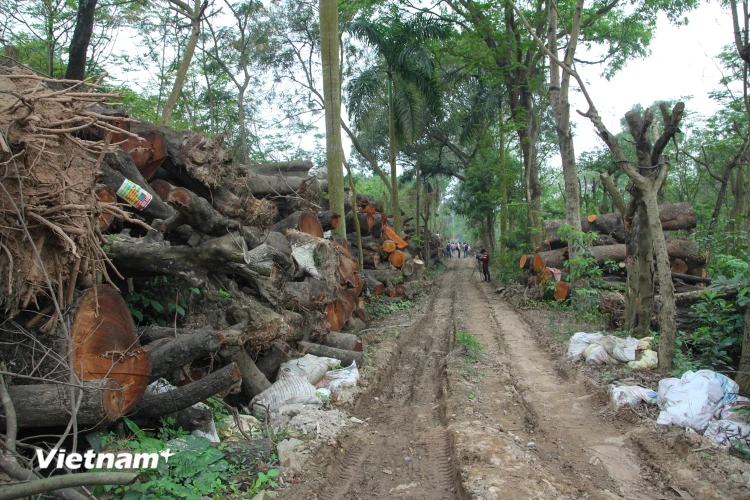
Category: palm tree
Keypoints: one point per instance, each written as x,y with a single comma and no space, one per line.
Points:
410,77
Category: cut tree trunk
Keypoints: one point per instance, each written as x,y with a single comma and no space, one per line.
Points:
105,194
198,213
366,222
270,360
345,356
156,405
391,234
329,220
253,380
413,270
177,352
397,258
292,168
345,341
106,344
118,167
48,405
305,222
310,294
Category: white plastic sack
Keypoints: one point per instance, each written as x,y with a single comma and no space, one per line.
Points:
289,390
729,433
597,355
645,343
622,350
631,395
691,400
579,342
648,361
310,367
338,379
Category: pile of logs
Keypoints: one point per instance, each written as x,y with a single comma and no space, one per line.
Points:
250,238
609,250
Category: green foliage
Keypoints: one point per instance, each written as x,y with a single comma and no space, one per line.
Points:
584,265
224,294
377,308
196,469
264,481
471,347
158,300
717,343
728,266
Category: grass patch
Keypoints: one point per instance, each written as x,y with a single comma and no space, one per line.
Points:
470,345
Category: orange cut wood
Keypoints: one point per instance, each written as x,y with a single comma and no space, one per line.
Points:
368,209
106,344
591,218
561,291
162,188
391,235
399,290
379,289
389,246
105,194
147,154
358,285
538,263
524,259
679,266
397,258
310,224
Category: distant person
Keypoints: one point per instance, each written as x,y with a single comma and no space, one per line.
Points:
484,258
448,249
458,248
466,249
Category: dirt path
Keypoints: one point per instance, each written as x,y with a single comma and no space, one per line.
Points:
508,425
404,449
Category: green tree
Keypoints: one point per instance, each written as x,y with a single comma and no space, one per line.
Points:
409,75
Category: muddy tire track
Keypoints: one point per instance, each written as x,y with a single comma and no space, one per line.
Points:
404,450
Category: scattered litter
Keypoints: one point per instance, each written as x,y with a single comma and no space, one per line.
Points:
323,393
600,349
388,471
729,433
645,343
289,390
356,420
338,379
647,361
691,400
231,432
631,395
312,368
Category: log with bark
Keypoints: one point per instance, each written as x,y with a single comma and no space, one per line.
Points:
270,360
329,220
345,341
345,356
253,380
156,405
48,405
413,270
673,217
366,223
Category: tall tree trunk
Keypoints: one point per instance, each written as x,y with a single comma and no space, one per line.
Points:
79,44
418,181
398,224
329,50
504,214
241,118
195,22
743,372
559,90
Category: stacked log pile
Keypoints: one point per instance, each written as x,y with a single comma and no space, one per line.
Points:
610,252
148,201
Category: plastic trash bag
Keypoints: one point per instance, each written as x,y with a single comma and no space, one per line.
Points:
648,361
729,433
622,350
338,379
597,355
631,395
289,390
645,343
691,400
310,367
579,342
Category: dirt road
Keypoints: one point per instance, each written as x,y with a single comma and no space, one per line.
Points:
508,425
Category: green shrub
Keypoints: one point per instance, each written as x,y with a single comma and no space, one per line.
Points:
158,300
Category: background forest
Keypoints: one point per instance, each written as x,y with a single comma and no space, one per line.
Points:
456,111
